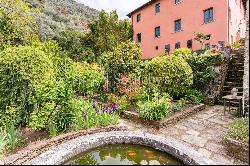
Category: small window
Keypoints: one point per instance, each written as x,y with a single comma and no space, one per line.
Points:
221,44
167,48
208,15
190,44
157,48
157,8
138,18
177,1
177,27
207,46
138,38
157,31
177,45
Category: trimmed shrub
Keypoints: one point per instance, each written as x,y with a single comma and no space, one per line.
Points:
168,74
22,69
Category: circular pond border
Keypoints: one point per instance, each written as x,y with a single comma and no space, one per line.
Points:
65,151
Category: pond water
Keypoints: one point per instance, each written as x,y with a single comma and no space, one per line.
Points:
123,154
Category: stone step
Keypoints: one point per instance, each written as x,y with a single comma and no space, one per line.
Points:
235,71
238,80
234,66
229,88
235,75
234,78
224,93
236,63
233,84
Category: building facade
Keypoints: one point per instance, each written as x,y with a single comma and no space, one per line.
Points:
161,26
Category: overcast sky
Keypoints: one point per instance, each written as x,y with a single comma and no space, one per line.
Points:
123,7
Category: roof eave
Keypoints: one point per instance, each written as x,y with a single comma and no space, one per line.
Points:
141,7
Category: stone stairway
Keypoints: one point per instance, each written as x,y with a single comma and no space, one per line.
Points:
235,73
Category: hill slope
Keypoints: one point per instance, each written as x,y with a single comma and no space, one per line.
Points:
58,15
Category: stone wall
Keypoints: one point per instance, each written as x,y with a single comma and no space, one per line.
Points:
246,64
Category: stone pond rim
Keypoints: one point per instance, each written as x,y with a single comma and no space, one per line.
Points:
65,151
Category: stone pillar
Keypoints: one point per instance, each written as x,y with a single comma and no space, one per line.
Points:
246,63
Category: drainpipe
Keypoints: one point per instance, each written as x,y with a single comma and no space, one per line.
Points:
228,23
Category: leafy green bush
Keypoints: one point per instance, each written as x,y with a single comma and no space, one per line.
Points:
239,130
156,108
168,74
22,69
88,78
124,60
17,23
178,106
194,96
202,68
182,52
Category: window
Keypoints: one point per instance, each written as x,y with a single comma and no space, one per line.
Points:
208,15
157,31
138,38
157,48
138,17
177,27
167,48
207,46
190,44
177,1
157,8
177,45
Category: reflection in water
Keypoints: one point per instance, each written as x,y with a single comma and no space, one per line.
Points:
123,154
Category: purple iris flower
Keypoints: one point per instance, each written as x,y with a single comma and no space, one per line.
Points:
97,111
105,110
84,115
94,104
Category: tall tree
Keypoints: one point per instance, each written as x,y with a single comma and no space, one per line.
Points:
107,32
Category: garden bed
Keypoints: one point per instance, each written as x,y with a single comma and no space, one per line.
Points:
35,147
237,149
173,118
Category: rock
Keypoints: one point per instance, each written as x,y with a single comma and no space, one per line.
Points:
144,162
154,162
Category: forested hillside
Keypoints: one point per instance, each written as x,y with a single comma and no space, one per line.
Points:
60,15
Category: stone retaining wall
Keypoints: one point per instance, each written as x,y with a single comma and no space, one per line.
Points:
176,117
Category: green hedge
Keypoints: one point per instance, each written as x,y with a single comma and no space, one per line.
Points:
168,74
22,69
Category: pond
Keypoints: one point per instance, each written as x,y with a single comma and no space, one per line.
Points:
123,154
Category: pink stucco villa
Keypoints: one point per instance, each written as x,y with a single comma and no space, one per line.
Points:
164,25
